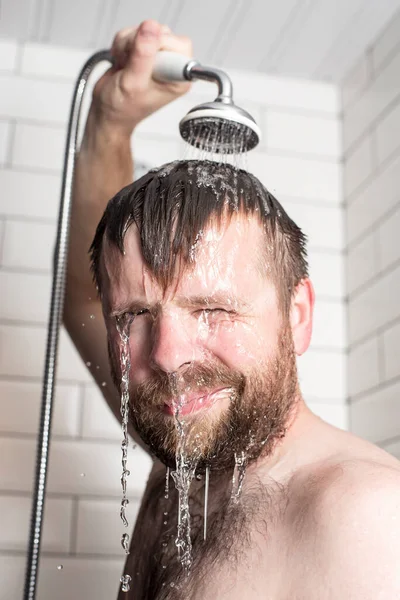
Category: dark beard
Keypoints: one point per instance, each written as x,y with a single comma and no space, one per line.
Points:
257,417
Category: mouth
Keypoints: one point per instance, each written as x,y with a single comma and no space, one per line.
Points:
189,404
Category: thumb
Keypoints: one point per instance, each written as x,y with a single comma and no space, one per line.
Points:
139,66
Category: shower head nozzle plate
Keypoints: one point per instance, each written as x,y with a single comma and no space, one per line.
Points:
220,128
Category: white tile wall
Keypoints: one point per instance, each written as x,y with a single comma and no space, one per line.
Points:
15,528
380,196
2,228
389,247
363,367
106,539
373,219
327,274
285,92
97,421
34,99
376,416
22,351
63,63
80,578
323,225
75,467
303,134
391,345
316,369
298,160
356,80
101,464
28,245
8,54
17,302
392,447
386,44
335,414
29,194
5,133
312,179
359,165
377,97
375,306
329,325
362,262
38,147
12,569
20,408
387,137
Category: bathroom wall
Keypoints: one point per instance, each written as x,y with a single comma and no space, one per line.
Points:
299,160
371,127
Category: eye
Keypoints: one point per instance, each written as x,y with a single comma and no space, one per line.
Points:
215,312
142,311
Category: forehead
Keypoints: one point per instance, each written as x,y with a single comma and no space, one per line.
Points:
226,256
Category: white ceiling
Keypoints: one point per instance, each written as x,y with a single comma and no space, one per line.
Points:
318,39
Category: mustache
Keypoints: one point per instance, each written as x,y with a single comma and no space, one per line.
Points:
163,387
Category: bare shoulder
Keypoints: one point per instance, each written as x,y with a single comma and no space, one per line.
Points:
351,528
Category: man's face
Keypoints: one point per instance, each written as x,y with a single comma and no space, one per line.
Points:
212,351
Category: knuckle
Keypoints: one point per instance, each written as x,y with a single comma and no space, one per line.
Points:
187,43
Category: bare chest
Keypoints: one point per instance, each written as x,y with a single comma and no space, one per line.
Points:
242,556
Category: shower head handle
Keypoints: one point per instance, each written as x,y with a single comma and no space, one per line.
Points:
170,66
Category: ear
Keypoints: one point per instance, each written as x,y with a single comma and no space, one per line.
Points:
301,315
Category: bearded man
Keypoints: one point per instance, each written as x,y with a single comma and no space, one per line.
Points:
203,282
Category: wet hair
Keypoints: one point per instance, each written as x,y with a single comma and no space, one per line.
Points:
173,205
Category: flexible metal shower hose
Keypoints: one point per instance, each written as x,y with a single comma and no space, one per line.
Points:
55,320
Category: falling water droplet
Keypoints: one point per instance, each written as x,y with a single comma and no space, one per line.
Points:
83,474
103,384
83,324
125,542
60,567
88,364
126,583
238,475
166,493
91,317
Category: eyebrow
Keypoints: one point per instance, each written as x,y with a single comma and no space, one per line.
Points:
185,302
207,300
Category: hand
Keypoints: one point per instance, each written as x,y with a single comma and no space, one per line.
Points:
126,94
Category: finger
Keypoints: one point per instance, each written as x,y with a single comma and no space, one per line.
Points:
177,43
142,53
122,40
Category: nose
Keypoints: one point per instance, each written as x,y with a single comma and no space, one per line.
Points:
174,344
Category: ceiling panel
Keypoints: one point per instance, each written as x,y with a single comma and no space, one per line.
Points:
318,39
313,39
203,22
294,23
15,17
358,34
73,23
133,12
254,32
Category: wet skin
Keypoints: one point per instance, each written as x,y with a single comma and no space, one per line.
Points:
310,488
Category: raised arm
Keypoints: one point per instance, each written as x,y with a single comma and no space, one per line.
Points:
123,97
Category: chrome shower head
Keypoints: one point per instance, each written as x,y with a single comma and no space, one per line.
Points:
219,126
